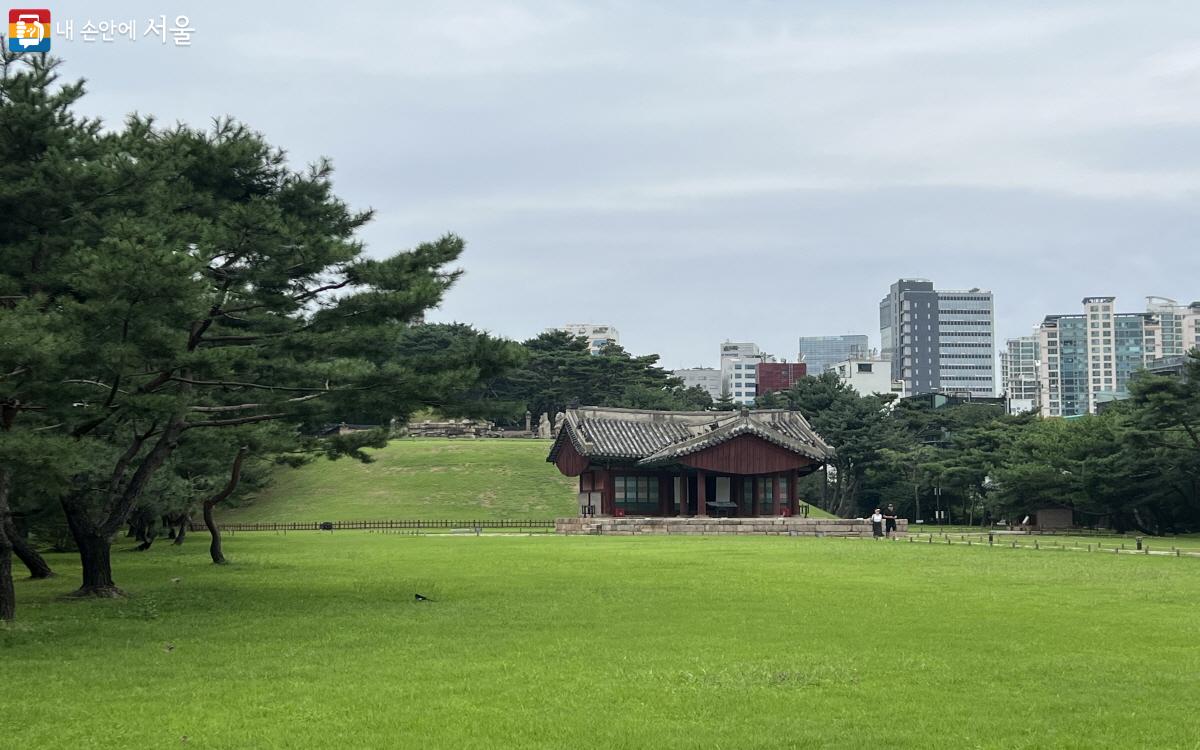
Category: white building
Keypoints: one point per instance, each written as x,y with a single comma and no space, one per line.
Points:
739,368
1178,329
598,335
1019,367
868,375
708,378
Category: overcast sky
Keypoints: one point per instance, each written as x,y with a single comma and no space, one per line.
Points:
701,171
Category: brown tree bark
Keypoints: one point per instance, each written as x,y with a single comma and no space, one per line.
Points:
94,553
184,520
8,596
94,537
235,474
37,565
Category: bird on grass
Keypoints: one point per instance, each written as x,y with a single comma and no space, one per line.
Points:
420,598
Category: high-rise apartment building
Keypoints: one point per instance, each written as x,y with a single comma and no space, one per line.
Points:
939,341
1019,363
598,335
1089,357
819,352
1178,327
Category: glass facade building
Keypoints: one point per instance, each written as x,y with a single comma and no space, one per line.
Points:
819,353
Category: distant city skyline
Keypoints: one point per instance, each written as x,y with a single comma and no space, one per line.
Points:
692,173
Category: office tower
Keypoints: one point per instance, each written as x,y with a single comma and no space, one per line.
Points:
939,341
739,370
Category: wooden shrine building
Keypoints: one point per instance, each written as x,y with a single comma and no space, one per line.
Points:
687,463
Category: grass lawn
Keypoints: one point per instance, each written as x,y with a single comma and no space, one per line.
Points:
423,479
314,640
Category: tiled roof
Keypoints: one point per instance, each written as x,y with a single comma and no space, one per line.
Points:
654,437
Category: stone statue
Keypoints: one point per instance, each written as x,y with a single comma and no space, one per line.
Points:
543,426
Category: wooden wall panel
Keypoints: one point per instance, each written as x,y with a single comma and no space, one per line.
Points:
747,454
569,462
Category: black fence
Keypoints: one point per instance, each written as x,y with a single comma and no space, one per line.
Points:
410,525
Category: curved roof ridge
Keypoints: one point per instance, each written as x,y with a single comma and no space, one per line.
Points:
655,436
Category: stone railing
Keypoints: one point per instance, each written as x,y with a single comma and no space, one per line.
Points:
632,526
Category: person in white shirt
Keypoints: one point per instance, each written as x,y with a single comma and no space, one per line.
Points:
877,524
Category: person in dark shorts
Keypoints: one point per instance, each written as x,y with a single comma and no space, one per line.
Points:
889,521
877,524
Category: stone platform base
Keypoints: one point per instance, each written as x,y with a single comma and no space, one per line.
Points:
632,526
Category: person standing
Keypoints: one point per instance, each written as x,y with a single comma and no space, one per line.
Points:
889,521
877,524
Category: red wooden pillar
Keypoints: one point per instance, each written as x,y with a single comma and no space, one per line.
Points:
775,495
607,492
736,490
683,494
664,495
793,493
701,495
757,508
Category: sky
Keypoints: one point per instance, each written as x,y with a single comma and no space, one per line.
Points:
693,172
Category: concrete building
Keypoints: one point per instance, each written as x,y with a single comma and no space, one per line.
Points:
819,352
939,341
1019,363
778,376
739,370
708,378
598,335
1178,327
868,375
1088,358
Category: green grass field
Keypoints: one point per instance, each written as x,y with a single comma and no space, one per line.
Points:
314,640
422,479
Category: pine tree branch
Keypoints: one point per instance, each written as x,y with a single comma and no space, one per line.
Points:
235,421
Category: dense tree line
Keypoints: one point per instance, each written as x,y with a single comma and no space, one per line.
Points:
560,371
1135,466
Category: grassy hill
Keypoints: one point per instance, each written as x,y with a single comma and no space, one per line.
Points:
422,478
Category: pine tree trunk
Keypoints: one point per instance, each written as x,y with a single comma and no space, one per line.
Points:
38,567
214,548
235,474
94,555
183,527
8,596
